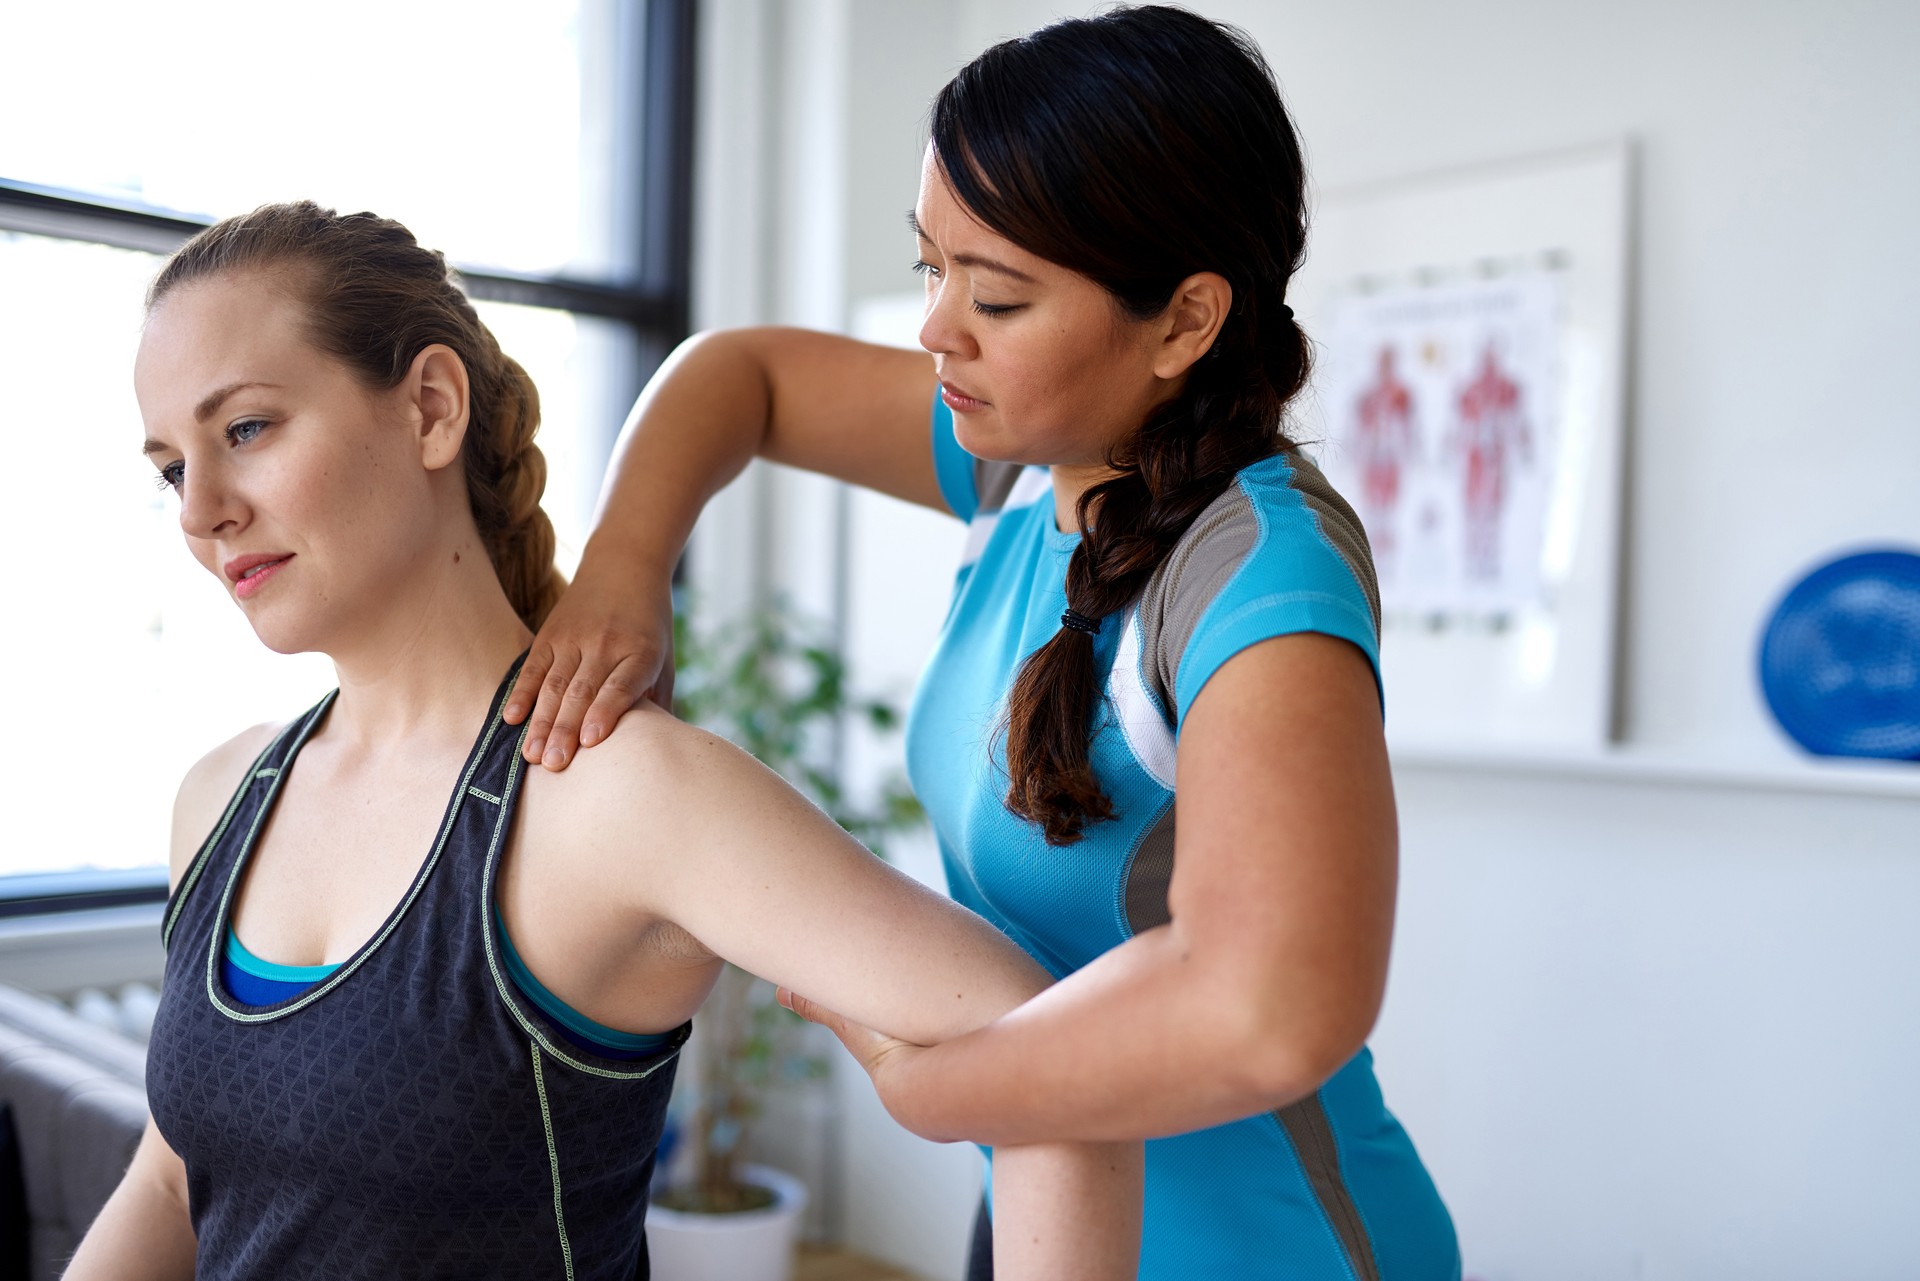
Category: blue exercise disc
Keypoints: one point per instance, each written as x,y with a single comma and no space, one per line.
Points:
1840,660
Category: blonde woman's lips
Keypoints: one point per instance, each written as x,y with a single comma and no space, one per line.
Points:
250,573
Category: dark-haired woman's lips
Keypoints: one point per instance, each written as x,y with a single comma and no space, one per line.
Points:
958,401
250,573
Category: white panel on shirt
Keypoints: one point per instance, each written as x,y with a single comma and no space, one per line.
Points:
1148,735
1033,482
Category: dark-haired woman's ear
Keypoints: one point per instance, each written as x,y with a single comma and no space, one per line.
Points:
1191,322
436,390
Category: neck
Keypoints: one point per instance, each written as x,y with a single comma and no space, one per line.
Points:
433,654
1069,483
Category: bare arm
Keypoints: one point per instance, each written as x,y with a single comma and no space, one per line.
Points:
144,1231
816,401
1268,977
758,875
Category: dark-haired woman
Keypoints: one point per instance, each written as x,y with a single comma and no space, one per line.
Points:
1160,598
422,1005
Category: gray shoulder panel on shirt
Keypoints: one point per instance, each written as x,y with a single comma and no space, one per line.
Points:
1212,551
1340,526
1178,593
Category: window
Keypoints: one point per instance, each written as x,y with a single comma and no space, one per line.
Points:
546,149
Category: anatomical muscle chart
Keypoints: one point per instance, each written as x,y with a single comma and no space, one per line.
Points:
1440,400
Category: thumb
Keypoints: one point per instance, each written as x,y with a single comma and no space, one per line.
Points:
807,1009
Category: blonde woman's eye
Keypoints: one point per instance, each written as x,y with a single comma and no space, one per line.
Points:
172,476
245,430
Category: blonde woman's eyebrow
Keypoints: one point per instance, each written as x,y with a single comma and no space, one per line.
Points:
212,400
203,411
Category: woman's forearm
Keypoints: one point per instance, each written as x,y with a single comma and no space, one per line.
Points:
1148,1040
700,421
1067,1211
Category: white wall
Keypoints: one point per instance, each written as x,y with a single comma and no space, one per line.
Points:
1648,1022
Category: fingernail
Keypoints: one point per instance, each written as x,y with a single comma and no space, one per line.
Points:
554,759
783,996
536,747
589,736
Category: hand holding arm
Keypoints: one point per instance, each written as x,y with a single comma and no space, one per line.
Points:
1270,973
756,874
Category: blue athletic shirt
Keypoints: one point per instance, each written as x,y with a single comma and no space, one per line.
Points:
1329,1187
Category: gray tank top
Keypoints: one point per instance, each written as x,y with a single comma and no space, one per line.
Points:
412,1115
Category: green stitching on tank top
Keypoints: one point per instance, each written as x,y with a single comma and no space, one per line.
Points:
324,986
500,983
553,1162
200,859
485,796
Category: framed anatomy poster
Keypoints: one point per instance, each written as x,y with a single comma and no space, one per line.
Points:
1467,400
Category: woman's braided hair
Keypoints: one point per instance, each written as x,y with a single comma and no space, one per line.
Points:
375,299
1136,148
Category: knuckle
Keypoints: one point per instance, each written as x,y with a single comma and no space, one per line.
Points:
620,683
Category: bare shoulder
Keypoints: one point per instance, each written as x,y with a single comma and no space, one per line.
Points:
648,818
665,808
658,766
207,787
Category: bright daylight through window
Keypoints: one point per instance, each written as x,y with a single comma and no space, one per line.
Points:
543,147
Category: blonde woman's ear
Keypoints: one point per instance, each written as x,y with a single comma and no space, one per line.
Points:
438,390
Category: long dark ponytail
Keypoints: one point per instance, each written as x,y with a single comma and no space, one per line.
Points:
1136,148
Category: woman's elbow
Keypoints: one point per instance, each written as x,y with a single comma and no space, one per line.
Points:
1287,1054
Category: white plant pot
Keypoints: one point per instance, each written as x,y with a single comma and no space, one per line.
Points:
753,1245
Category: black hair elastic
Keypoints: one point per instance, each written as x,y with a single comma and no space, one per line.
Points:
1080,622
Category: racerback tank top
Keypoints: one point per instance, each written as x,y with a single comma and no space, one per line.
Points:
411,1115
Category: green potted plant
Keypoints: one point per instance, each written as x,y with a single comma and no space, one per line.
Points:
769,683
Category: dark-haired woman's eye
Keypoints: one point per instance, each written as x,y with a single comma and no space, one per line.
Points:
997,309
172,476
245,430
925,268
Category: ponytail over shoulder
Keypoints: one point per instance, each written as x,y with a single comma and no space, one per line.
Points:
1136,148
376,298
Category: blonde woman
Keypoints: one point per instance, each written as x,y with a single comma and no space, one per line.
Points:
422,1005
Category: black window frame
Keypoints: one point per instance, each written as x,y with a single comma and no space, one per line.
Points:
658,39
